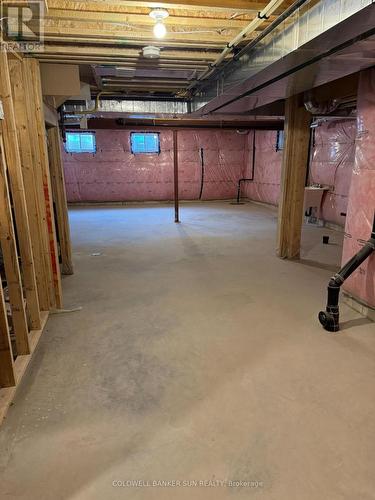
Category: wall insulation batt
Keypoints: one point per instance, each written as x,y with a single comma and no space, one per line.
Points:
115,174
361,204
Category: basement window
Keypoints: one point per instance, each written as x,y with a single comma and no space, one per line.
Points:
280,140
145,143
80,142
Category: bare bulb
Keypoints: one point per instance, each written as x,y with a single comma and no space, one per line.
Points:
160,30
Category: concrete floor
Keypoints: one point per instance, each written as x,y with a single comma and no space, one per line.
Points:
197,356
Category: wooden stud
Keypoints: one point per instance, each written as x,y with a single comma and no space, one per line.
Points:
11,264
7,376
59,196
295,156
40,201
32,181
36,107
13,159
20,365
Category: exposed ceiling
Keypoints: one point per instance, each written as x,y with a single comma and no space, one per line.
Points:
106,38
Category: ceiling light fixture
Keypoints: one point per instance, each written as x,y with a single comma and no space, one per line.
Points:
160,30
159,15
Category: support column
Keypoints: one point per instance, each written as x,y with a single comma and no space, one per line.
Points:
293,177
59,196
175,176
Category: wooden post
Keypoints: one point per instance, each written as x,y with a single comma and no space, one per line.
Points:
7,377
32,178
175,175
13,159
59,196
10,256
293,177
36,108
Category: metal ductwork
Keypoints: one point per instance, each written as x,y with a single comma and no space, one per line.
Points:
150,107
300,24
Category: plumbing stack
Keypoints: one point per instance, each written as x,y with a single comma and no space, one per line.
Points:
330,317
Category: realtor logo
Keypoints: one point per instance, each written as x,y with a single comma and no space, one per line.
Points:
21,25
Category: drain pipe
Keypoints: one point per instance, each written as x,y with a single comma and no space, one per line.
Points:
244,179
329,318
202,173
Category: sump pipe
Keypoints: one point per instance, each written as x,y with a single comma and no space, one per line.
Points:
331,316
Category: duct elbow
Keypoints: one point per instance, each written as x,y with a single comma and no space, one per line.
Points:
324,108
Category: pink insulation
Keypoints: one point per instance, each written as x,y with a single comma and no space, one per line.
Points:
361,205
267,171
332,161
115,174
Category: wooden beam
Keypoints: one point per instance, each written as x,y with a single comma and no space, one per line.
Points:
143,20
59,196
32,178
36,102
120,62
11,263
295,157
50,115
75,38
128,52
243,5
105,31
13,159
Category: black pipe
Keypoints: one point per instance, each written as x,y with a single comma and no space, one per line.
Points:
252,172
175,177
331,316
202,175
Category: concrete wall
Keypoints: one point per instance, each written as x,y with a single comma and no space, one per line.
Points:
115,174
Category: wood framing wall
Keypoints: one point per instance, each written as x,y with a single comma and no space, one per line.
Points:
32,196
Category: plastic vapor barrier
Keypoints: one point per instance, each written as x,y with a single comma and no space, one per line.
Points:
113,173
361,205
267,168
332,162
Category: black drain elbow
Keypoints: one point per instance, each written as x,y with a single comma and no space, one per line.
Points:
329,318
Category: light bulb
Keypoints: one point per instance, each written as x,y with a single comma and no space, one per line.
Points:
160,30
